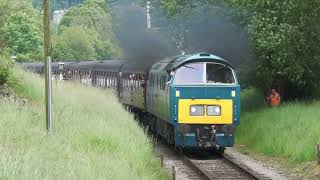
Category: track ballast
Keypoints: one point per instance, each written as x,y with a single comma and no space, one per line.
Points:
216,167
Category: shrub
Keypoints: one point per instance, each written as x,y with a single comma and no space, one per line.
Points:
29,57
252,99
21,34
5,64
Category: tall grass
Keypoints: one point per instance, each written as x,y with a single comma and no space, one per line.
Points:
93,138
290,131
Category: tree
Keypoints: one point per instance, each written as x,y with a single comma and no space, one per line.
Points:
57,4
21,34
9,12
285,36
75,43
93,18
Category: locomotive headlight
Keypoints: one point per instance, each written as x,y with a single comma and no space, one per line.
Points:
197,110
214,110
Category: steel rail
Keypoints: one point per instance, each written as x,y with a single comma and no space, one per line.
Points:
243,167
195,168
247,172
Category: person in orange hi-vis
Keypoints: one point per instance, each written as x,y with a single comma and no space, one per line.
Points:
274,98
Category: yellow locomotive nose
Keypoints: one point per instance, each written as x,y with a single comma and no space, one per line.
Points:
205,111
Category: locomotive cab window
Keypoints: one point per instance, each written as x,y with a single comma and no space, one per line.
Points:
204,73
190,74
218,73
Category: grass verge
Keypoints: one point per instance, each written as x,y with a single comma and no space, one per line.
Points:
93,138
290,131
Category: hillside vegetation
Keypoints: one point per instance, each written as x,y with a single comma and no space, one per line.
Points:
85,33
290,131
93,138
20,30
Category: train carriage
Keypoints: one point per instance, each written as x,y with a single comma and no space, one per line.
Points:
132,85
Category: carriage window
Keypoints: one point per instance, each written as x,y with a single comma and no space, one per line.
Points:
218,73
190,74
151,81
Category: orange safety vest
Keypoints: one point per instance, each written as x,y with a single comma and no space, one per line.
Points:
274,100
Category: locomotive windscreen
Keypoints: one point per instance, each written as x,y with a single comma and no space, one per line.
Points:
204,73
190,74
217,73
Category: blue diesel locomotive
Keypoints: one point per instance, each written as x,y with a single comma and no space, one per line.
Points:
196,98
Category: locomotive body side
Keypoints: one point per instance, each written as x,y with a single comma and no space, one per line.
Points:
157,97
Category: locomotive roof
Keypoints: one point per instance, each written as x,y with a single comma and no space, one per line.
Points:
171,64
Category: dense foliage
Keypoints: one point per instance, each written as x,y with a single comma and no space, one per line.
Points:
85,33
21,34
75,43
284,41
57,4
20,29
19,25
4,67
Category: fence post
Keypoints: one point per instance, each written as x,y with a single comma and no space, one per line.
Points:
173,173
161,160
318,153
154,145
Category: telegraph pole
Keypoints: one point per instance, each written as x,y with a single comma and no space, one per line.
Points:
47,64
148,15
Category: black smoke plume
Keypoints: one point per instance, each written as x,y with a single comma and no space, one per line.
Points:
203,29
140,45
208,29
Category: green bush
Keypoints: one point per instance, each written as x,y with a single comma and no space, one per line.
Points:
29,57
75,43
21,34
85,33
22,86
252,99
4,74
5,64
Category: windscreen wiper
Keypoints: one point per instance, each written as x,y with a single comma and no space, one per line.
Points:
188,67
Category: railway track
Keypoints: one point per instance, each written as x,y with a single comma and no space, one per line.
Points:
218,167
207,164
